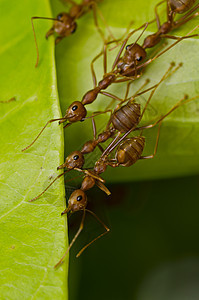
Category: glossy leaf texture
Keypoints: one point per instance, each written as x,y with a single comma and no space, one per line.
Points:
32,234
178,152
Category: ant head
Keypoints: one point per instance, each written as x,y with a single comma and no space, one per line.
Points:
77,201
65,25
134,52
76,112
74,160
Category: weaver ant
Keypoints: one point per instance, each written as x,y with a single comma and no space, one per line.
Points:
128,152
77,111
123,118
65,23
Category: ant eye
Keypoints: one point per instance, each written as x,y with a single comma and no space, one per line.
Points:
127,47
79,198
59,16
139,58
74,29
74,107
75,157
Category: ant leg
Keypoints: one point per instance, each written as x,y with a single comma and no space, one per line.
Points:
105,58
112,163
135,94
173,37
92,68
102,187
107,150
67,125
97,113
8,101
156,145
58,39
165,76
157,15
50,121
187,15
99,236
111,96
178,24
73,240
183,101
49,33
168,48
96,22
94,124
104,53
94,128
127,90
35,198
125,78
95,10
100,147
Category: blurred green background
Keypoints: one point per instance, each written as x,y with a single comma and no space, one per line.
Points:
152,250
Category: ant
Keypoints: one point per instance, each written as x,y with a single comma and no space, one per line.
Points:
128,152
65,23
135,53
123,118
77,111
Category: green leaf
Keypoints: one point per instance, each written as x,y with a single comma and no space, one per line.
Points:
178,150
32,234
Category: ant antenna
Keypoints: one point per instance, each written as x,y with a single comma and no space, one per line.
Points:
33,28
78,233
35,198
50,121
73,240
98,237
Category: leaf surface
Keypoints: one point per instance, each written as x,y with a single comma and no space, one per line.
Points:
32,234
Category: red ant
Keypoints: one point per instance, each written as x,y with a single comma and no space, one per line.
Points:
77,111
128,152
123,118
65,23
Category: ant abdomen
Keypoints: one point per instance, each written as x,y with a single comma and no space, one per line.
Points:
126,117
181,6
130,150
